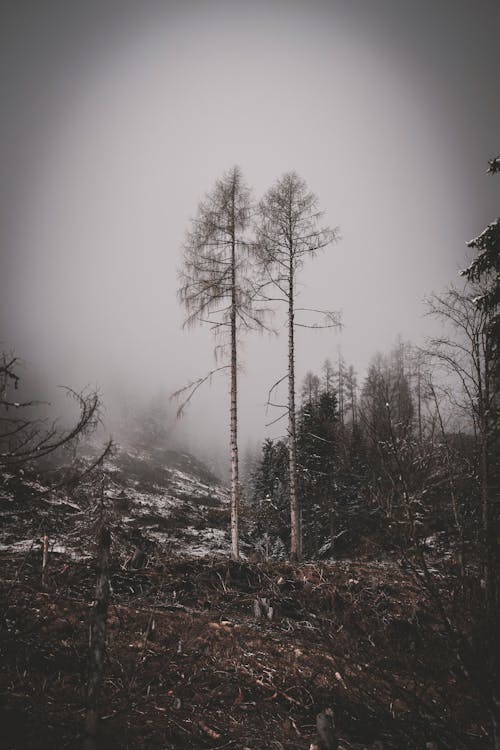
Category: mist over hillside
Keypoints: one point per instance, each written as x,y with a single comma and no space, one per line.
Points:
249,375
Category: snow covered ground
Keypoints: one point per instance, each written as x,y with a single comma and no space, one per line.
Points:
159,499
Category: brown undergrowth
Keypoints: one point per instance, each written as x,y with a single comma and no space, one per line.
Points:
189,665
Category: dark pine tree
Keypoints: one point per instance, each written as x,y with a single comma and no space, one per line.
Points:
270,498
316,448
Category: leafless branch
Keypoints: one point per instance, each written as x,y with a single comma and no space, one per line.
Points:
191,388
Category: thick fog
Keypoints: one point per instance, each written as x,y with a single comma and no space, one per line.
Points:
118,116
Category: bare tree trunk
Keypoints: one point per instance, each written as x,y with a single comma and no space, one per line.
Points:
98,639
45,559
451,483
340,394
234,410
488,535
419,405
488,543
353,403
288,233
295,530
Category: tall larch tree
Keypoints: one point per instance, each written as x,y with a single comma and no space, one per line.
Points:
288,233
215,289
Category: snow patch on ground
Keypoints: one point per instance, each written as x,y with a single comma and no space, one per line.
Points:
162,496
23,545
196,542
26,545
55,500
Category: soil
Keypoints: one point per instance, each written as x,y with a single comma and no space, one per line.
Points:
193,660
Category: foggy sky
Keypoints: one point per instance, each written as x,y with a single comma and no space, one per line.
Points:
117,116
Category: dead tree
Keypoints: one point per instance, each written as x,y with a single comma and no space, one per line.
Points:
215,289
465,353
45,559
288,232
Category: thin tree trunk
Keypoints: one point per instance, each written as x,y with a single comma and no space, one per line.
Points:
451,484
45,559
341,393
483,406
295,530
353,402
488,571
98,639
419,405
234,409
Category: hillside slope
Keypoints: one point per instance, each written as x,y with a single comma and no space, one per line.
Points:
160,500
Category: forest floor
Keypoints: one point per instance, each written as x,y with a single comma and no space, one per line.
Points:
191,664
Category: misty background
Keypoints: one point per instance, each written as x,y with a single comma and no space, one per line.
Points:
118,116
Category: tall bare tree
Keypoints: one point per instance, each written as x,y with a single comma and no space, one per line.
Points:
214,289
351,384
288,232
466,353
341,387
